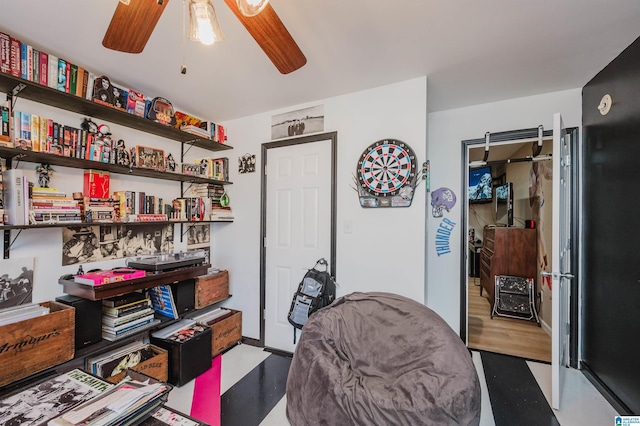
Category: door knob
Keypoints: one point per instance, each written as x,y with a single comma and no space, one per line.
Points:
556,275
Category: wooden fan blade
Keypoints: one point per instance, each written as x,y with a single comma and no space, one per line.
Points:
132,25
271,35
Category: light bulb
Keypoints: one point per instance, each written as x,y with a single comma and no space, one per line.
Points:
203,24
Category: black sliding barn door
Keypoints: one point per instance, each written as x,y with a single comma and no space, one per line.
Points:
611,293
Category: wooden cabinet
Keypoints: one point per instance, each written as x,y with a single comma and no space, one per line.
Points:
506,251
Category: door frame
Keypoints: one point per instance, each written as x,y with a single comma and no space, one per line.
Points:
520,136
333,136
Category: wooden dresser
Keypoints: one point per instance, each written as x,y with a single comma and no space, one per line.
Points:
506,251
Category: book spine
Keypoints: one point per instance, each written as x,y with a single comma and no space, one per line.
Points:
73,79
62,74
35,65
90,80
67,81
115,322
17,125
43,134
15,57
24,62
126,310
44,69
25,130
79,81
129,327
52,79
85,84
12,180
35,132
5,53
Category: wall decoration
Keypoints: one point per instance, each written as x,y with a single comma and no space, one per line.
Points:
247,163
299,122
199,239
85,244
443,236
442,199
16,282
387,175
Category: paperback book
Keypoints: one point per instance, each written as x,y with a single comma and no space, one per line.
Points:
109,276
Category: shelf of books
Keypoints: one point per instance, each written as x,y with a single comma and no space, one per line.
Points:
70,102
57,160
103,291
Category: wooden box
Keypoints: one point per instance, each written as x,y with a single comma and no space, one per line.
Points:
156,366
226,332
33,345
211,289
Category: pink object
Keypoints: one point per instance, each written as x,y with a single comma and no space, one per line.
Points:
109,276
205,405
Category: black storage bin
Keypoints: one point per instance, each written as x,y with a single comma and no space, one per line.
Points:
187,359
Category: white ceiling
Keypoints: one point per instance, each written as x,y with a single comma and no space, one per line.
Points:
471,51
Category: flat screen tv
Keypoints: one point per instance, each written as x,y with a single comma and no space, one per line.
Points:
480,190
504,204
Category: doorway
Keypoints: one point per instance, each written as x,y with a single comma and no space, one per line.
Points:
508,158
298,212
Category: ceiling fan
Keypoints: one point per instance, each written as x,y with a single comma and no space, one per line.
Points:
132,25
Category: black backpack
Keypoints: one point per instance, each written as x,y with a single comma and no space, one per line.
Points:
316,290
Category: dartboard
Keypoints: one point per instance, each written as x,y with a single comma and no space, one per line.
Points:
385,167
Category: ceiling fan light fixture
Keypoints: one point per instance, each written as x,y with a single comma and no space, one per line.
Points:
203,24
251,7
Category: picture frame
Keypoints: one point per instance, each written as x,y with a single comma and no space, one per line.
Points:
150,158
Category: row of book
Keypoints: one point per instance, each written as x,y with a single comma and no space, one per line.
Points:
25,61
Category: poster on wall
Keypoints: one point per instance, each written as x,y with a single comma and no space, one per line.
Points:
16,282
84,244
299,122
199,239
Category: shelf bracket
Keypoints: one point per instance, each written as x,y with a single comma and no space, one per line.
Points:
13,96
8,243
190,144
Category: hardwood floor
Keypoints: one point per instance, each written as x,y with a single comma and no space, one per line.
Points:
504,335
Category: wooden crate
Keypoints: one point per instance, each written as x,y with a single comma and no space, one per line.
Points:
156,366
211,289
33,345
226,332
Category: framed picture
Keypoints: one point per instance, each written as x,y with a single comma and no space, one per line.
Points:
150,158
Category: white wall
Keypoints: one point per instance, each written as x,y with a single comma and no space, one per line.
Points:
447,129
385,251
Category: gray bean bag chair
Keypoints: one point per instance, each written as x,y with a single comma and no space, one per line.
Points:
381,359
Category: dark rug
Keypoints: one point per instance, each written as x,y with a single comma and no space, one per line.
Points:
516,398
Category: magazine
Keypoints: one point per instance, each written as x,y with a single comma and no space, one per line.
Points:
49,398
166,416
162,301
126,400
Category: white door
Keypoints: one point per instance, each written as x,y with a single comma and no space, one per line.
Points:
298,228
561,256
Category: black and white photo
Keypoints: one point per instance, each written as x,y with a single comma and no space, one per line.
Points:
16,282
299,122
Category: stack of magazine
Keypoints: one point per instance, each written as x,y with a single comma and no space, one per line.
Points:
21,313
114,362
46,399
126,315
128,402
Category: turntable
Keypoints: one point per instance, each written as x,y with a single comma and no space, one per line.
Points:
167,262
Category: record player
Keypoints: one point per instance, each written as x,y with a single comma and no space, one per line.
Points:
167,262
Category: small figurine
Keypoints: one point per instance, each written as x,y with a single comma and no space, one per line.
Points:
44,172
89,125
171,163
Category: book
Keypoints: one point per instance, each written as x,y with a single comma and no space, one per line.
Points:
5,53
109,276
35,65
112,337
124,299
48,398
44,69
122,328
15,60
13,199
126,309
52,78
62,74
73,79
162,301
35,132
115,322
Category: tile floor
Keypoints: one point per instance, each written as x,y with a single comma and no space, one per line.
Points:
581,404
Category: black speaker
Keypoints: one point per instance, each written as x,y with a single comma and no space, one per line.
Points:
88,319
184,294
